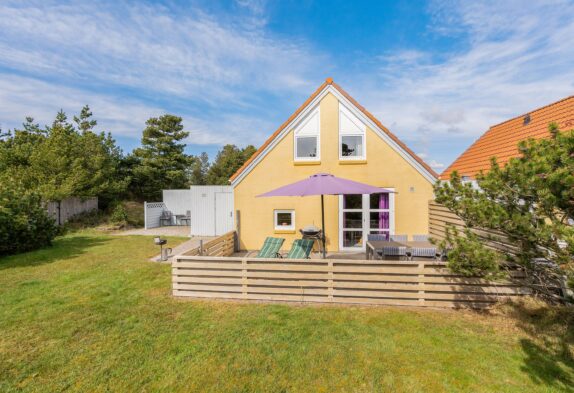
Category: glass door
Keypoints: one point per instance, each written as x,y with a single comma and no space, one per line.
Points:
361,215
351,222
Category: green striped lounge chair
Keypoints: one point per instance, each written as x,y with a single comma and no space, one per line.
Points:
270,248
301,249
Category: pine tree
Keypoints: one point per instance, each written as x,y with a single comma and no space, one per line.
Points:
199,170
161,161
531,201
228,161
62,161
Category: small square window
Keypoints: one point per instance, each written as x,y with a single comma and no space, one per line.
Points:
352,146
284,220
306,147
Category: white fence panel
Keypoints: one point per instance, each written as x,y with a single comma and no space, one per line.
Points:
177,201
152,213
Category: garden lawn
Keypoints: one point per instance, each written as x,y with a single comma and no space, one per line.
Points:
92,314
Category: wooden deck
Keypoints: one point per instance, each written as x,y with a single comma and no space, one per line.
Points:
314,255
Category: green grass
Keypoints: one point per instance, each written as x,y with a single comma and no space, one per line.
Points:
92,314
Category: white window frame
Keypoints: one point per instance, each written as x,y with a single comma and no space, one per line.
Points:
317,156
362,134
366,229
317,137
283,227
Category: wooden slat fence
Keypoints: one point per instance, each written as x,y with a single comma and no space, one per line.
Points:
223,246
415,283
63,211
440,217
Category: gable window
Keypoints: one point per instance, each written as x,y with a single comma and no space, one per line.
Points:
284,219
306,147
351,136
352,146
307,140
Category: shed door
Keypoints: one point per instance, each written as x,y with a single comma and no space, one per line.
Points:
223,212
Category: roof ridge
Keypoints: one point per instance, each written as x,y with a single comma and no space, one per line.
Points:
529,112
327,82
385,129
497,140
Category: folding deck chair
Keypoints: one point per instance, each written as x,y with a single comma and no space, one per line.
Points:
270,248
301,249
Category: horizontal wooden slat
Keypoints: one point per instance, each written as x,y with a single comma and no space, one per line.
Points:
290,275
206,273
210,288
377,294
287,267
424,283
208,265
476,288
207,280
460,296
378,285
251,296
287,290
375,301
376,277
288,283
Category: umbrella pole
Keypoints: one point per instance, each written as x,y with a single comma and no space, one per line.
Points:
323,225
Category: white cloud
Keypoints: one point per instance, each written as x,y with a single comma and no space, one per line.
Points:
149,48
437,166
213,71
516,57
230,78
22,96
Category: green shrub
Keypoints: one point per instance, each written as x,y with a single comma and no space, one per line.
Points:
135,213
119,215
24,223
88,219
468,256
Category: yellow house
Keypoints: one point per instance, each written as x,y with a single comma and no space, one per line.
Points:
332,133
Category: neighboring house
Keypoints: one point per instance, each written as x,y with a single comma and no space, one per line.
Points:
332,133
501,140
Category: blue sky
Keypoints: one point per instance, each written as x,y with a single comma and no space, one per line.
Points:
437,73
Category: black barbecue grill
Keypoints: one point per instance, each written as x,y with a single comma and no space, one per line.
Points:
312,232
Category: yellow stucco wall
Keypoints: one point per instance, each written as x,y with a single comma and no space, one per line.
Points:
384,168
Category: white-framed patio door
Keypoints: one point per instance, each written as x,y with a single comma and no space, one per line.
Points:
360,215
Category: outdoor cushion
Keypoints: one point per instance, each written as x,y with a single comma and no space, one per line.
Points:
394,251
270,248
301,249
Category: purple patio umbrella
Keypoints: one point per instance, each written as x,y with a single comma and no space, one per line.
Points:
324,184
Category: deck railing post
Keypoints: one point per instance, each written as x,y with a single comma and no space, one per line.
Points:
244,278
330,289
237,230
201,247
421,283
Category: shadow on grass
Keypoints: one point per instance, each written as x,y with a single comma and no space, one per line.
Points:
62,249
549,352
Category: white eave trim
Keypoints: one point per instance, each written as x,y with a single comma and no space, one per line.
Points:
351,108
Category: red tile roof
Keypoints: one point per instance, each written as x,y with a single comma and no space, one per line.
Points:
501,140
329,81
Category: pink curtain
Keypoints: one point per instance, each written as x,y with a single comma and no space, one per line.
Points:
384,216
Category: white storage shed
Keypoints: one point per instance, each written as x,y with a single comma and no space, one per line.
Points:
211,210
